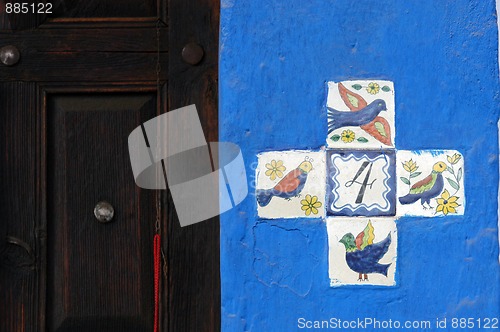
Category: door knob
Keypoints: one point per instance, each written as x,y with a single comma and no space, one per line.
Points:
9,55
104,212
192,54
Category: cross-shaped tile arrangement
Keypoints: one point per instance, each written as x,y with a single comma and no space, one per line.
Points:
360,184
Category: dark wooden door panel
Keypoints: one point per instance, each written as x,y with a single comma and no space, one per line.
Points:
104,8
87,77
194,283
82,54
103,67
99,275
131,37
18,206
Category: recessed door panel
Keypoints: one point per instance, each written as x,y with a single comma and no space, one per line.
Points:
99,272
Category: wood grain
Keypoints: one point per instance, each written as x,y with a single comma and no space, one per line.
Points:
193,251
88,38
18,211
99,275
81,66
104,8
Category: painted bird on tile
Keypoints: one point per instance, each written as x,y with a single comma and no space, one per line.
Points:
291,185
362,256
338,119
378,127
427,188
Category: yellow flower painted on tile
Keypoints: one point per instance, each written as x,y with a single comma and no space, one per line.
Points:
310,204
446,203
410,166
454,159
348,136
373,88
275,169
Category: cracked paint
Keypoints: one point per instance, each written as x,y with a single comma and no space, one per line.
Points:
274,262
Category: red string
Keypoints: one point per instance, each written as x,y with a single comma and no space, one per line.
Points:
157,256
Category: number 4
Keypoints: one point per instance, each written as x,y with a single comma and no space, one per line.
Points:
361,194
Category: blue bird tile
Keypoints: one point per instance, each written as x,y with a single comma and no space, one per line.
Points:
360,114
362,251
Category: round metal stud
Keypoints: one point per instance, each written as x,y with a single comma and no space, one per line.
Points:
104,212
192,54
9,55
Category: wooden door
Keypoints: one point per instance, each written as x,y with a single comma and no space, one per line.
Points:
89,73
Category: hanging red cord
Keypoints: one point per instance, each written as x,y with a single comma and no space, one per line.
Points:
157,256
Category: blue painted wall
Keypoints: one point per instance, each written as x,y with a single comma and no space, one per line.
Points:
442,57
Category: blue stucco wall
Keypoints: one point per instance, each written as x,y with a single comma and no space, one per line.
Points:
442,57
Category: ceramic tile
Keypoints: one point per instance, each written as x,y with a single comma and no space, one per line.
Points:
291,184
430,183
361,183
360,114
362,251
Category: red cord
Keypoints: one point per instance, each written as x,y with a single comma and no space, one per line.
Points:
157,256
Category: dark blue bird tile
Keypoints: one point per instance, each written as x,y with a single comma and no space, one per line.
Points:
362,251
360,114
